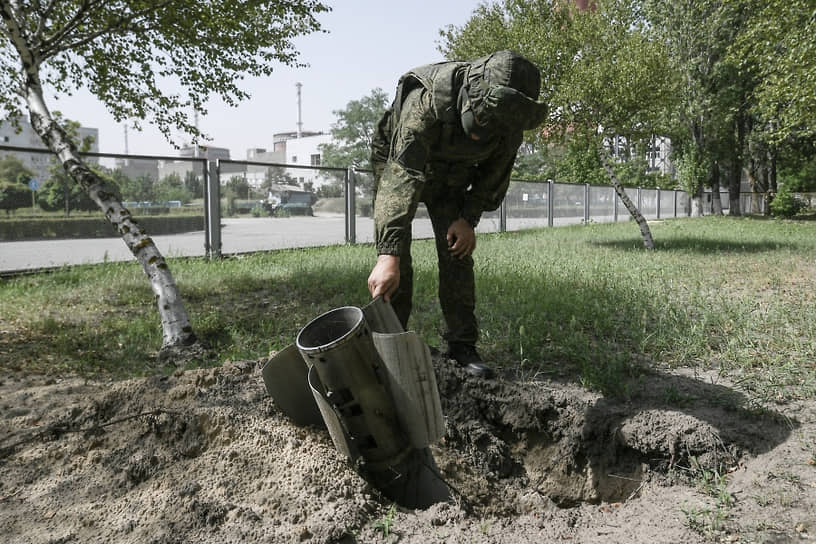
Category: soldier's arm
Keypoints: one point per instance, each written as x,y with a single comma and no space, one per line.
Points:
402,177
488,190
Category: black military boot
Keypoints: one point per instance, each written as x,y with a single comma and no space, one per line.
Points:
467,356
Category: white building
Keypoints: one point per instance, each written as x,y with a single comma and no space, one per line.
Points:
39,163
180,168
256,174
658,152
291,149
304,151
138,168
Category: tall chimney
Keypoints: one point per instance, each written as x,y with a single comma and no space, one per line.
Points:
299,121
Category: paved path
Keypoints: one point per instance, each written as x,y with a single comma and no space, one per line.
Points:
238,236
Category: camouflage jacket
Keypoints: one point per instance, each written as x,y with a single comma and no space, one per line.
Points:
420,148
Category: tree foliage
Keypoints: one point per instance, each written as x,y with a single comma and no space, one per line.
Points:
352,134
277,175
12,170
59,192
13,196
353,131
172,187
133,54
778,44
599,69
143,60
732,83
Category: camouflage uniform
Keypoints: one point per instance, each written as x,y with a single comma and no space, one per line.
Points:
421,153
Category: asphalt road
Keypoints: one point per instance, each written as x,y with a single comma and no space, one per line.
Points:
237,235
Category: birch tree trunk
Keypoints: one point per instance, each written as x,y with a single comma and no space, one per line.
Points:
696,202
178,335
648,243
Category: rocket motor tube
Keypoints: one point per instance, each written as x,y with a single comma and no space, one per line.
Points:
339,346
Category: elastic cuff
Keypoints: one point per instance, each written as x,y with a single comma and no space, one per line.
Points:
472,221
388,249
471,213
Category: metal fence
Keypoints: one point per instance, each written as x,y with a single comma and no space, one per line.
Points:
234,224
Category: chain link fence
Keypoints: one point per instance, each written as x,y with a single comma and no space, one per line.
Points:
197,207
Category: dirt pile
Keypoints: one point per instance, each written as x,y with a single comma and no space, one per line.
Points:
206,456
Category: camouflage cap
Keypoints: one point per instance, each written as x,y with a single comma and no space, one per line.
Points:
502,89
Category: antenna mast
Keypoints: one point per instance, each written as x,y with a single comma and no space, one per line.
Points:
299,121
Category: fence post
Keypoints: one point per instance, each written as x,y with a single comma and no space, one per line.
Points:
639,202
658,202
675,203
586,203
503,215
206,191
214,207
351,206
550,206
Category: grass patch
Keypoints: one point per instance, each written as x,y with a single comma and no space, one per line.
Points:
583,303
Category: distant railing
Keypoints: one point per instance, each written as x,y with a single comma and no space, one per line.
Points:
341,215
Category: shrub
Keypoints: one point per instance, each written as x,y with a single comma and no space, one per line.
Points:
13,196
786,204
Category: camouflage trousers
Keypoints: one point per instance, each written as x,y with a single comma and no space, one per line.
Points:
457,286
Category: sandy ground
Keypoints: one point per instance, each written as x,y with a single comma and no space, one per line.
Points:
207,456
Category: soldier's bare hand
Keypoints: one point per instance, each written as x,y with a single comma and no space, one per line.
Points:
385,277
461,239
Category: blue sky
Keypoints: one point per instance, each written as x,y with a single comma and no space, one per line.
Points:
369,44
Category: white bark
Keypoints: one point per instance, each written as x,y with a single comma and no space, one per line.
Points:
696,206
648,243
177,331
176,327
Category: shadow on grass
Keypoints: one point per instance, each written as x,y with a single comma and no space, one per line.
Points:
251,307
702,246
55,347
590,332
243,315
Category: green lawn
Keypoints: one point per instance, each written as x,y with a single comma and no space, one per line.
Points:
584,303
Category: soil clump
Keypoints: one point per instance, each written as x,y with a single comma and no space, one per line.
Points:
206,456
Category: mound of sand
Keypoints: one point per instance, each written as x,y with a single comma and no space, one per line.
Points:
206,456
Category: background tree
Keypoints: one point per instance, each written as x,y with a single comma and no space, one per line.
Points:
12,170
131,55
172,187
352,134
713,113
138,189
777,41
14,178
276,175
194,184
14,196
601,74
777,47
236,188
799,171
60,192
535,163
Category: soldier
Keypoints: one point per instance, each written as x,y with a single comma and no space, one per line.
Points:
449,140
